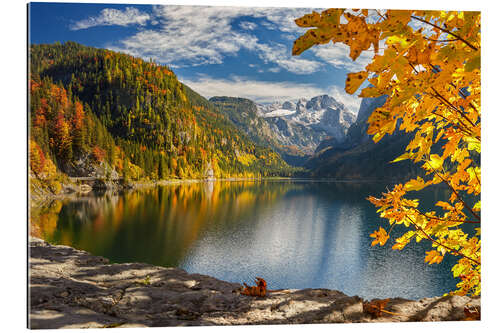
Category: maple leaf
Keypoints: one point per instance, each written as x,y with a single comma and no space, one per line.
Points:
259,289
472,314
376,307
433,257
354,80
415,184
380,236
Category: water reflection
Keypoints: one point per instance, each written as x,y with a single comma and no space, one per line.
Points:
294,234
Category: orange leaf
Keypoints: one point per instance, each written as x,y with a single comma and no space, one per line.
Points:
354,80
380,236
258,290
433,257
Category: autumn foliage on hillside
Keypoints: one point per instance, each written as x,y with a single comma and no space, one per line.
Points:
428,64
61,129
135,116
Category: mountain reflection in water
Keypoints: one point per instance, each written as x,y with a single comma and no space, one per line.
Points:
294,234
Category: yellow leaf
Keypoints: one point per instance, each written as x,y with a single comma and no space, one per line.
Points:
369,92
474,62
309,20
402,157
310,38
473,144
399,16
303,42
415,184
380,236
433,257
398,246
354,80
435,161
331,16
401,40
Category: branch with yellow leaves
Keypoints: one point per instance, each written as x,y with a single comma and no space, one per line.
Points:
439,243
444,219
461,126
445,31
444,100
454,191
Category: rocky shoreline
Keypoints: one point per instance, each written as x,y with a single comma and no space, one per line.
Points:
70,288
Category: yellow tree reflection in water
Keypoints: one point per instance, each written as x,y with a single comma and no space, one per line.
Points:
164,221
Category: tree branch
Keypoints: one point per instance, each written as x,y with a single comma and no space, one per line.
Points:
463,127
441,244
454,86
446,31
440,40
443,219
453,106
454,191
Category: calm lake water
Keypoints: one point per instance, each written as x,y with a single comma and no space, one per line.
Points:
294,234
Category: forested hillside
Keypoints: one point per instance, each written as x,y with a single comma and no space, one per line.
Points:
244,114
134,117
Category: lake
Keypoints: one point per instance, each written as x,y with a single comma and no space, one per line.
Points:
292,233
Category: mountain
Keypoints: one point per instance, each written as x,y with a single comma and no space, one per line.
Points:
306,123
357,156
294,129
133,117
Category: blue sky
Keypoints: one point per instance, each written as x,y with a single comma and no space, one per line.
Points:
231,51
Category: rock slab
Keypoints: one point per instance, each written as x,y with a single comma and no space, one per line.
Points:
70,288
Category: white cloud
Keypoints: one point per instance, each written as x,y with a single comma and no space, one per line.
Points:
351,102
279,54
268,92
338,55
195,35
290,36
248,25
199,35
283,19
259,91
110,16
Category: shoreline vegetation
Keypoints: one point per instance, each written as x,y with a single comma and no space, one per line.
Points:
70,189
70,288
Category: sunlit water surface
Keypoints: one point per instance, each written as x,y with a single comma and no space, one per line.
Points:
294,234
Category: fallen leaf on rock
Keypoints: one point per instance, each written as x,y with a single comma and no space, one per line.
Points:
376,308
258,290
472,314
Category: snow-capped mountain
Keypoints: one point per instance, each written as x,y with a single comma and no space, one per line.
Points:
292,128
358,157
305,123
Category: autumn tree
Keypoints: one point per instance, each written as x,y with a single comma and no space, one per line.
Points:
427,63
78,126
62,137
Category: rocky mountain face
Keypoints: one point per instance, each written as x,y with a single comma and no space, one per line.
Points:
357,156
321,135
294,129
306,123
